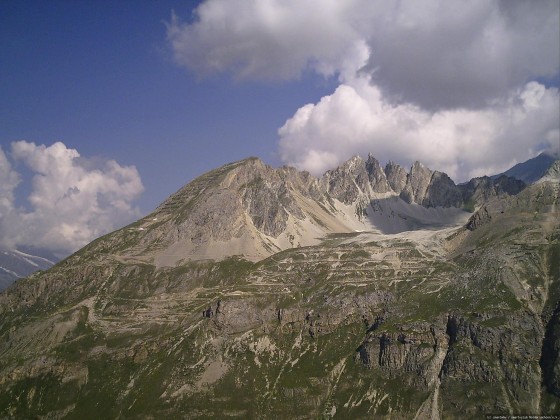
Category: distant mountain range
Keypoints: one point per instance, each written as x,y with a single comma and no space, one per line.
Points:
421,186
249,209
15,264
531,170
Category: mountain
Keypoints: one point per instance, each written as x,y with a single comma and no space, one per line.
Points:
259,292
15,264
247,208
531,170
552,173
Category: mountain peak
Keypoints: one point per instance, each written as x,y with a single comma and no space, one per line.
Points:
377,178
531,170
396,176
417,183
251,209
353,162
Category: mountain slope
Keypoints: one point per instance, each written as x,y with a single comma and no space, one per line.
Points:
552,174
250,209
444,320
531,170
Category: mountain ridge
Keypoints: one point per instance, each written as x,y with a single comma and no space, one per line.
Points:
531,170
450,314
250,209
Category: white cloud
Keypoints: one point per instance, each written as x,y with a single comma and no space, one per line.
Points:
357,119
441,54
9,179
433,53
447,83
70,203
266,39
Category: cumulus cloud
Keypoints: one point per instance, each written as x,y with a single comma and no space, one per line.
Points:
441,54
271,39
70,202
433,53
462,142
454,84
9,179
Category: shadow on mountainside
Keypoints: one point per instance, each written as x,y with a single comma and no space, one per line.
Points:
393,215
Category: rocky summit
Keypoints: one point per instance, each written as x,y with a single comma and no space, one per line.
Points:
256,292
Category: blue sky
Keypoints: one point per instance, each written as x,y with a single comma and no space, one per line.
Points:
168,93
99,76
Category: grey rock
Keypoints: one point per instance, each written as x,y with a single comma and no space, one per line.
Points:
442,192
377,178
479,218
347,182
396,176
417,183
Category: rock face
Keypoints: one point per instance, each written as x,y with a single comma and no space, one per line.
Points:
417,183
479,218
250,209
347,182
376,175
550,359
355,179
454,321
442,192
396,176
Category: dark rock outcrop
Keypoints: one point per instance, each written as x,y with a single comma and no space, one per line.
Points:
442,192
396,176
479,218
